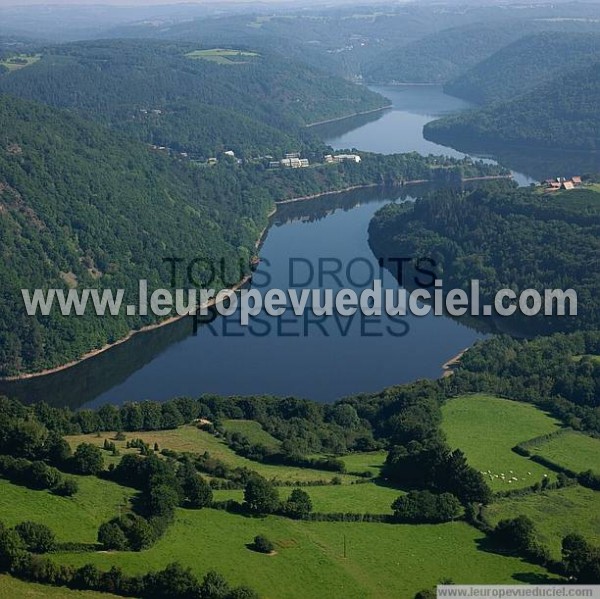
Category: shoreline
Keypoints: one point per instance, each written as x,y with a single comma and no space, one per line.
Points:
348,116
322,194
449,366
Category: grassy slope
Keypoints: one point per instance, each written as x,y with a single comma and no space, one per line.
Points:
73,519
486,428
556,514
361,462
360,499
572,450
193,440
11,588
383,561
253,431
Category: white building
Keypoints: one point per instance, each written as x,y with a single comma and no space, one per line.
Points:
346,158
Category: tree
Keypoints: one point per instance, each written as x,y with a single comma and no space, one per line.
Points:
111,536
38,538
12,548
262,544
581,560
42,476
161,500
88,459
214,586
175,582
243,593
87,577
298,505
28,439
198,492
517,533
195,489
260,496
139,534
67,487
424,506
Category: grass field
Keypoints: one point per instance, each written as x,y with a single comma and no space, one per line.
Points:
573,450
222,55
253,431
555,513
193,440
362,462
359,499
11,588
73,519
486,428
14,63
382,561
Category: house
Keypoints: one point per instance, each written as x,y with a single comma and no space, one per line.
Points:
294,162
567,185
347,158
229,153
576,181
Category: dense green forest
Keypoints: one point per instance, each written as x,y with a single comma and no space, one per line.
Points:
81,205
557,114
525,64
159,93
518,239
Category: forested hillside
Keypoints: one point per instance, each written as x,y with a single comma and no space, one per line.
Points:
516,239
525,64
444,55
80,205
164,94
558,114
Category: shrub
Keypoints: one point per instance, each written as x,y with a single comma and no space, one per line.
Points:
298,505
38,538
260,496
111,536
88,459
66,487
262,544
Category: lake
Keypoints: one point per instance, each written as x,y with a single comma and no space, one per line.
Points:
318,359
400,129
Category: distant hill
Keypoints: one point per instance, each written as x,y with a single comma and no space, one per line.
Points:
442,56
525,64
562,113
163,93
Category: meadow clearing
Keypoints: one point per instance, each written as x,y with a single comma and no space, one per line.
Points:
486,428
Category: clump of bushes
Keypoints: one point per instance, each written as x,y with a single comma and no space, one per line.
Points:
37,475
262,544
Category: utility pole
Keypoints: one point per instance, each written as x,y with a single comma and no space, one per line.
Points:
344,546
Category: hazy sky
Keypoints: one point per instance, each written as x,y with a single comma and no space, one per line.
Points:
140,3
